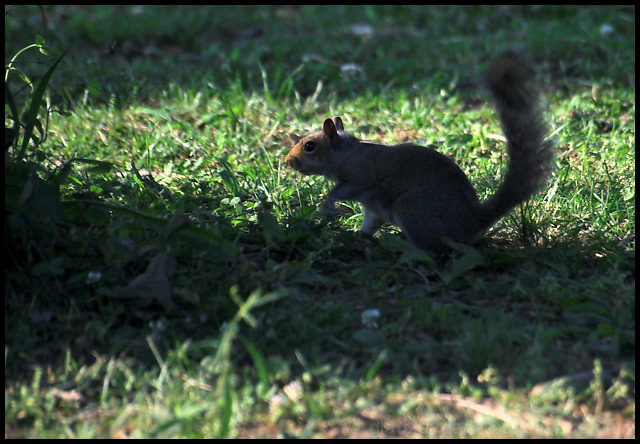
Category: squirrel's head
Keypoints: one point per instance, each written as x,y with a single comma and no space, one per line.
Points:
310,154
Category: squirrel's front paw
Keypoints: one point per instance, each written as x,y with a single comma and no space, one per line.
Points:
329,209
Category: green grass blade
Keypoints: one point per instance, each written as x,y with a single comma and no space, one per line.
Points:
32,114
258,359
14,114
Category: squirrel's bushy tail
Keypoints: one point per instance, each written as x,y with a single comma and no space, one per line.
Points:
510,80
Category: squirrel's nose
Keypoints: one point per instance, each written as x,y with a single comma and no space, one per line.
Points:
291,161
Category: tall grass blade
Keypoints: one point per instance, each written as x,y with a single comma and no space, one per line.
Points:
32,114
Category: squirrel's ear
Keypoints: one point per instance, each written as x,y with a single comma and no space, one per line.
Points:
329,129
337,121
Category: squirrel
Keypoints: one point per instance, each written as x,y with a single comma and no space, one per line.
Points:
420,189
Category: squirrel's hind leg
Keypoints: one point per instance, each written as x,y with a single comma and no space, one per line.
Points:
371,222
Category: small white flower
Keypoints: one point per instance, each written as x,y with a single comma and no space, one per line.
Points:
364,31
370,317
275,402
93,277
606,29
349,70
293,390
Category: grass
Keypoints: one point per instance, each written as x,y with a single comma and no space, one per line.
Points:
168,276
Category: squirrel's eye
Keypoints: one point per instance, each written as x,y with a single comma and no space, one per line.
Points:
309,146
